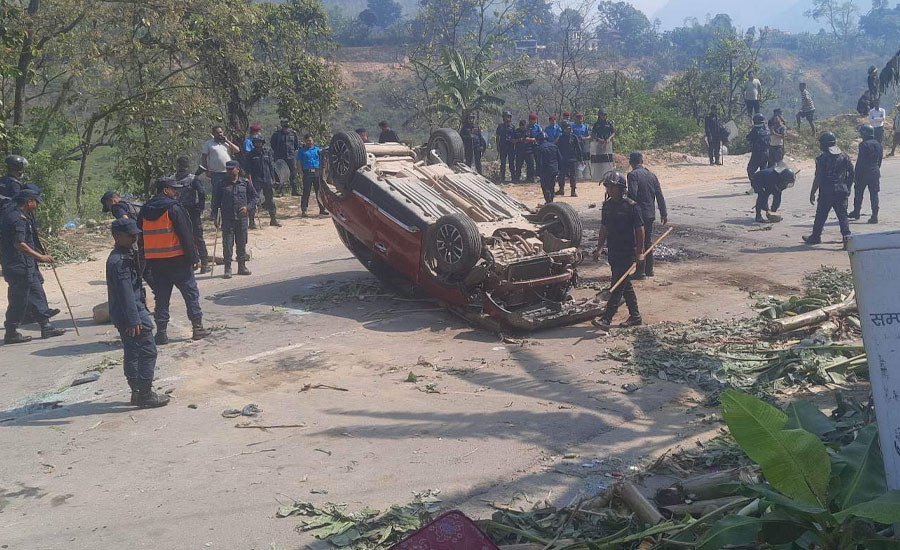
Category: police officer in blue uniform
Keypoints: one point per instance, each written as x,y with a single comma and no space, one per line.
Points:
192,196
833,179
20,253
548,162
522,141
553,130
770,182
868,172
758,139
622,228
505,147
285,143
128,313
119,207
570,150
11,183
264,178
234,198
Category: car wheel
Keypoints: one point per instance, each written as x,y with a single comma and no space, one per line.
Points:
562,221
453,246
448,144
346,155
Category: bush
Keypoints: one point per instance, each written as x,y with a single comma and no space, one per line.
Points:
47,170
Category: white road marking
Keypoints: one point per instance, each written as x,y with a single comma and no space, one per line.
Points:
256,356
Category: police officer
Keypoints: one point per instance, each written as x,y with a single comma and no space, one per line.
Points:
548,162
713,131
770,182
758,139
868,173
168,244
505,146
777,130
604,130
570,151
255,128
264,177
473,142
553,130
309,159
622,227
644,189
128,313
524,153
11,183
285,143
192,196
234,198
583,132
387,135
20,253
834,176
120,208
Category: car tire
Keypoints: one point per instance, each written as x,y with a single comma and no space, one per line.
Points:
568,226
346,155
453,246
448,144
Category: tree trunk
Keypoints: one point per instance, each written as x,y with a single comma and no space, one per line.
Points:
57,105
26,55
85,152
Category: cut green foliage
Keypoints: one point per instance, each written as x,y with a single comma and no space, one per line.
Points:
367,529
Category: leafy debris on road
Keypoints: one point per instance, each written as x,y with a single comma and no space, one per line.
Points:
367,529
250,410
334,293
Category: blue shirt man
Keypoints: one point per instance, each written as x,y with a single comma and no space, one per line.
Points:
553,130
534,128
308,159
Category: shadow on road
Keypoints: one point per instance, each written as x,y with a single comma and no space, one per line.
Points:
30,415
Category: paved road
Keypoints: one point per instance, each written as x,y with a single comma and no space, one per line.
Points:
96,473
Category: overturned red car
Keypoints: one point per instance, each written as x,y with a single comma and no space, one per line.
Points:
422,216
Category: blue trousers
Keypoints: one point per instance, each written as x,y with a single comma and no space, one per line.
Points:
169,273
825,204
25,294
548,185
873,183
140,352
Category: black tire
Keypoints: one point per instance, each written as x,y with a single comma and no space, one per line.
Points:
448,144
386,274
568,223
346,155
452,246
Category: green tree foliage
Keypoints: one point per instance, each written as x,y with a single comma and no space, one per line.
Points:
536,20
626,27
387,12
881,22
840,16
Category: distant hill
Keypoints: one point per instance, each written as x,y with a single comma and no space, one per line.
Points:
353,7
781,14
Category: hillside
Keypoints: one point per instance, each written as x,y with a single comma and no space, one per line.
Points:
353,7
787,16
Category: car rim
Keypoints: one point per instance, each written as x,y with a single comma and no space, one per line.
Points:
449,244
442,149
340,158
556,228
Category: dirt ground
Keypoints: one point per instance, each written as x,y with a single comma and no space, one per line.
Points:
485,420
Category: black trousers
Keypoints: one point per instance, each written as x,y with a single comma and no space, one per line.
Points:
873,183
25,296
619,265
569,169
524,155
548,185
762,200
776,155
234,232
292,166
197,226
268,204
310,183
714,149
648,240
758,161
140,351
879,134
507,155
824,205
174,273
752,106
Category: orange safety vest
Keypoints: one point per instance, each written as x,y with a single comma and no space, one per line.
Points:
160,239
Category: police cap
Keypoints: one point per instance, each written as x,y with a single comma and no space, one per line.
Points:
126,226
26,195
104,200
164,182
232,164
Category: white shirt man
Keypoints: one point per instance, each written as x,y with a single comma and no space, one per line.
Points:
877,116
215,154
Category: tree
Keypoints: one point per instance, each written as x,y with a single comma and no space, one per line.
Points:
468,86
840,16
881,22
536,20
623,24
387,12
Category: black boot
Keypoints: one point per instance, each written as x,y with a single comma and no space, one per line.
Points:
874,217
633,321
199,332
602,323
854,215
274,222
204,266
51,313
49,331
812,239
227,271
147,398
242,269
133,384
162,336
15,337
759,217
